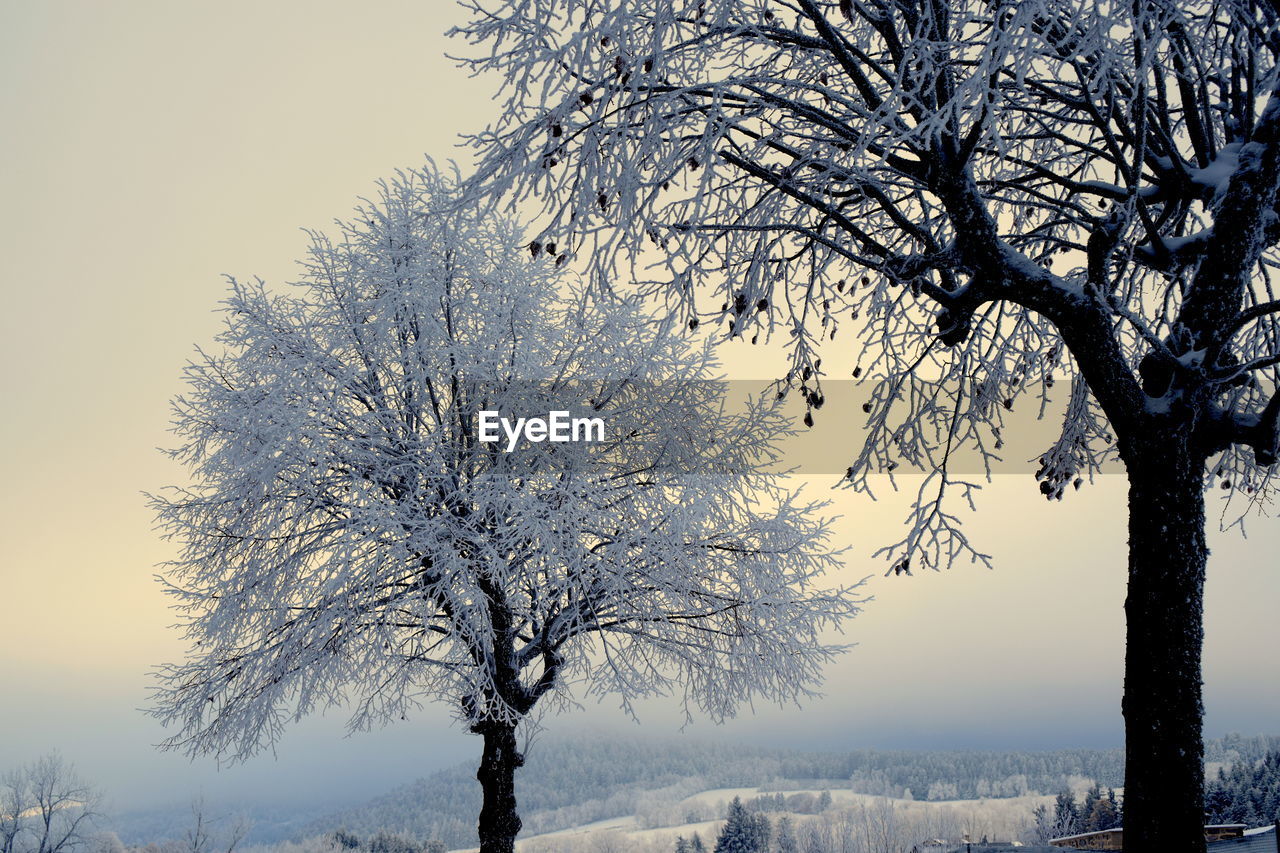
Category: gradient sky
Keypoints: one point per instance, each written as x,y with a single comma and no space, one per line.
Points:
150,148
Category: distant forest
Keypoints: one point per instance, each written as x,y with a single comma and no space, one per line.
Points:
570,782
1247,792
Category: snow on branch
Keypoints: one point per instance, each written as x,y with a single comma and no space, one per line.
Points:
350,537
1096,181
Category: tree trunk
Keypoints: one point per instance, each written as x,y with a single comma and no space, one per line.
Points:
1164,751
499,822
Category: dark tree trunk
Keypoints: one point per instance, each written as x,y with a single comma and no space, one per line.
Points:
499,822
1164,751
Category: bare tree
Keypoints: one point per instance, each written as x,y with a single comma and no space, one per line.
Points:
45,808
1049,822
14,805
992,197
205,836
350,536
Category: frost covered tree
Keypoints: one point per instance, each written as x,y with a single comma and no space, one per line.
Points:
45,807
1050,822
743,831
349,538
205,835
990,197
784,839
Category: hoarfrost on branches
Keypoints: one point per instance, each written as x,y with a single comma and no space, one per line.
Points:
45,807
348,538
991,196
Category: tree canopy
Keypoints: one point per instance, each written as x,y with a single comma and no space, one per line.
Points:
992,197
350,536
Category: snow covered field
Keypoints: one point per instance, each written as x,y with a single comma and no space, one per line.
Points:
994,818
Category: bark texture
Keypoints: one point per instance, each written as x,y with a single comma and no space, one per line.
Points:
499,821
1164,751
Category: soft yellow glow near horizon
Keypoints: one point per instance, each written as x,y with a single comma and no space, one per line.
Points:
151,148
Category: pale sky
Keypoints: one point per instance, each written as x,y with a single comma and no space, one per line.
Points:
150,148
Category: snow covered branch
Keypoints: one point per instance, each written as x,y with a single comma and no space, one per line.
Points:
349,537
1102,173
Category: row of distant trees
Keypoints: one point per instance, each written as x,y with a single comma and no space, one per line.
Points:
569,782
382,842
802,802
879,826
1248,792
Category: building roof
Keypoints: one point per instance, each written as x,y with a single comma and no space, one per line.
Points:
1088,834
974,847
1207,828
1260,840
